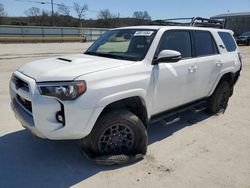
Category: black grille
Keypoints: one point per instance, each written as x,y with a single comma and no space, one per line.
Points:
20,83
25,103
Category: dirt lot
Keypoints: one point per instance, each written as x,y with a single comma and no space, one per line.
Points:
200,151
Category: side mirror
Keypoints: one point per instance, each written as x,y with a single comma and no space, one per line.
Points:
168,56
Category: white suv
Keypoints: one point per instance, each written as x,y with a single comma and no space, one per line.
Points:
108,96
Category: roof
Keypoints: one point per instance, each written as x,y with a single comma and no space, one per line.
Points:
231,15
154,27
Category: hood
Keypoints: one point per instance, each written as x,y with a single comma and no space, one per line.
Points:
69,67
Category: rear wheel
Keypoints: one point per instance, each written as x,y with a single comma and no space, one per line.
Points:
118,132
218,102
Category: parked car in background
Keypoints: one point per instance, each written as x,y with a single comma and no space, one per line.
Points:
244,38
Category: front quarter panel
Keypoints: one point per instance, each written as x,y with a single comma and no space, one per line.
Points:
106,87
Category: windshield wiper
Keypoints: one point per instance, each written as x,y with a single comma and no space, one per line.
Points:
91,53
105,55
112,56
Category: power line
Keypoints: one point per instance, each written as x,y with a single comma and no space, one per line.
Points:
43,3
39,2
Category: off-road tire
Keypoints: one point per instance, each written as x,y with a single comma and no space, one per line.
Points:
111,119
218,102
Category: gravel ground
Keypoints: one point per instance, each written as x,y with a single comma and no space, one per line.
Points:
199,151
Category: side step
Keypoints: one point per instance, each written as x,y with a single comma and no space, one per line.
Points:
174,115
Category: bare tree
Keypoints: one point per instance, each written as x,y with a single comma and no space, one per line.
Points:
63,10
80,10
106,18
33,12
45,18
105,14
141,15
2,12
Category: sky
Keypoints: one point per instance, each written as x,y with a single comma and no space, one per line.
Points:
157,9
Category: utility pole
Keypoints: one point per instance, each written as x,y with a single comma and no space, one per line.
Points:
52,6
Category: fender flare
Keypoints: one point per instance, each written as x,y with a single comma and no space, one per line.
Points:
122,95
109,100
226,71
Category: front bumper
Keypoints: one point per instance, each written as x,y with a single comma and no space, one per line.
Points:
37,113
25,119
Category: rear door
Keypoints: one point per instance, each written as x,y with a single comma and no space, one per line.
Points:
209,62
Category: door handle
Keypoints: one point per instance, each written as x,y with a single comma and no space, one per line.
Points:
192,68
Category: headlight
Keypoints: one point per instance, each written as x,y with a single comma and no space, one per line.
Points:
63,90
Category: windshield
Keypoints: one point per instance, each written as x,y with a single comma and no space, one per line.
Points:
246,34
127,44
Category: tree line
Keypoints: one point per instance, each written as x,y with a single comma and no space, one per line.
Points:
62,17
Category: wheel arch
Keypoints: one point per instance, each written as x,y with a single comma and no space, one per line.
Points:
227,76
135,104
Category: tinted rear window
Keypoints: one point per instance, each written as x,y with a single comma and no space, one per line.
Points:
228,40
204,44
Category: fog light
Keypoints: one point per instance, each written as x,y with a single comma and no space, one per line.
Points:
60,117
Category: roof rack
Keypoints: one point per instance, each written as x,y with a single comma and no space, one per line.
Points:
194,22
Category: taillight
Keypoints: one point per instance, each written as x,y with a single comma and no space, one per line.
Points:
240,57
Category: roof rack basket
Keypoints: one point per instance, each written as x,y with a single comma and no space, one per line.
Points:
194,22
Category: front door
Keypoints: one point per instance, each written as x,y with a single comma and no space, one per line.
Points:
174,83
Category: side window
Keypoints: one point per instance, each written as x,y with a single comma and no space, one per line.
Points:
176,40
228,41
203,44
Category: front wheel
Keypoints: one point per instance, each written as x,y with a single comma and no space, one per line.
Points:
118,132
219,100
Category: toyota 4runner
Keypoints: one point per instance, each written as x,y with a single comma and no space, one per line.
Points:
108,96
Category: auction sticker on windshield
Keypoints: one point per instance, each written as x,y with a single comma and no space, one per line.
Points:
143,33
